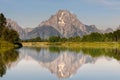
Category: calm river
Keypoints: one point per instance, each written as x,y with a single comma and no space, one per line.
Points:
57,63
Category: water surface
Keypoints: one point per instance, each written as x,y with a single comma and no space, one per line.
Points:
54,63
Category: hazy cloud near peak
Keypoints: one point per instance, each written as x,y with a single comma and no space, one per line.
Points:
111,4
106,2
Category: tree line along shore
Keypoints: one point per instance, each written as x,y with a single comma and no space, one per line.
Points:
9,38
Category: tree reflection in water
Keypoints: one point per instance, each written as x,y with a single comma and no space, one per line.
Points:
6,59
93,52
112,53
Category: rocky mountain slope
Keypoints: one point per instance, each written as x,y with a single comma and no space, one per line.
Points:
108,30
28,29
63,23
67,24
118,27
43,32
14,25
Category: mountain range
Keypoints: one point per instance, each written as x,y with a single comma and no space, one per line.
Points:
63,24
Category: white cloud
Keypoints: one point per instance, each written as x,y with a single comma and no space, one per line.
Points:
112,4
106,2
109,2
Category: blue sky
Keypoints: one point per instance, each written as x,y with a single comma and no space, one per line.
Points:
29,13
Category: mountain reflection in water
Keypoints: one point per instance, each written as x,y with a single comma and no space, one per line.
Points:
63,62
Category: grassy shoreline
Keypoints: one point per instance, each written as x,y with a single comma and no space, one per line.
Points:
73,44
4,45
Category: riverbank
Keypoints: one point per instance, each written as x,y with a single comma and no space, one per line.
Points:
4,45
73,44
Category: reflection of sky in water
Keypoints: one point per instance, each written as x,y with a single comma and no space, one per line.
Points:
107,70
29,68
